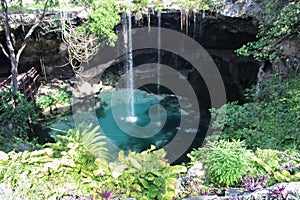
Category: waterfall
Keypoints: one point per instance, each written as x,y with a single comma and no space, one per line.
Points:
130,66
127,33
195,26
158,51
125,37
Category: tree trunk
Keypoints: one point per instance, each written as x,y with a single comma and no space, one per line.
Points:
14,72
12,55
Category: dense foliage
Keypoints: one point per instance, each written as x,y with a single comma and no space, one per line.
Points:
16,113
281,21
231,164
70,168
102,21
259,144
48,101
227,162
270,120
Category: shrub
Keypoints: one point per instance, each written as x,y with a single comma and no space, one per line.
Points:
226,162
48,101
17,113
64,168
277,165
146,175
271,121
78,166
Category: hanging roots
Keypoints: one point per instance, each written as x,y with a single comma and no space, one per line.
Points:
82,45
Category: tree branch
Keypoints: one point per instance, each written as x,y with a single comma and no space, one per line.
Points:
4,51
7,28
33,27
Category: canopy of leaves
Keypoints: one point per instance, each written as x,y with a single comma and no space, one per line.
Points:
102,20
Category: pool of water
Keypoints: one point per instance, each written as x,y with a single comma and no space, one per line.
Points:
150,124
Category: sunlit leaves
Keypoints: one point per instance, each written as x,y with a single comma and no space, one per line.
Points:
280,21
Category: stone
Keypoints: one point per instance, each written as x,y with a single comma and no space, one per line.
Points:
241,8
196,171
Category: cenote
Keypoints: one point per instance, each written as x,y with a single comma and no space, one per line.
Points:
134,116
144,105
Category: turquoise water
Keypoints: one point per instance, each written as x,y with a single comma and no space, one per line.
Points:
147,117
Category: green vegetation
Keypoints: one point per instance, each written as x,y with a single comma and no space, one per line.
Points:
270,121
281,21
258,144
226,163
48,101
17,114
102,20
70,167
259,141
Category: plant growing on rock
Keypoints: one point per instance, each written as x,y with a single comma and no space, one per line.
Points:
49,100
278,193
281,21
273,163
226,162
252,183
190,186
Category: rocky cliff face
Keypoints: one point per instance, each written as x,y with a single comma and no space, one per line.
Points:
242,8
46,51
219,34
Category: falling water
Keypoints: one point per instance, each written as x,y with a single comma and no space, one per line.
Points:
127,33
130,63
194,26
125,37
158,63
158,51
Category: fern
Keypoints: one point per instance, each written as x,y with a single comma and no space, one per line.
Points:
93,140
83,139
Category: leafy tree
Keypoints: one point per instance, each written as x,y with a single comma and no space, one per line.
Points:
12,52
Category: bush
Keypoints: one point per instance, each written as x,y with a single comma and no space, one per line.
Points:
146,175
229,164
277,165
48,101
64,168
271,121
78,165
17,113
226,162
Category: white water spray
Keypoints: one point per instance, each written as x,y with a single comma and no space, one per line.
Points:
127,34
158,51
